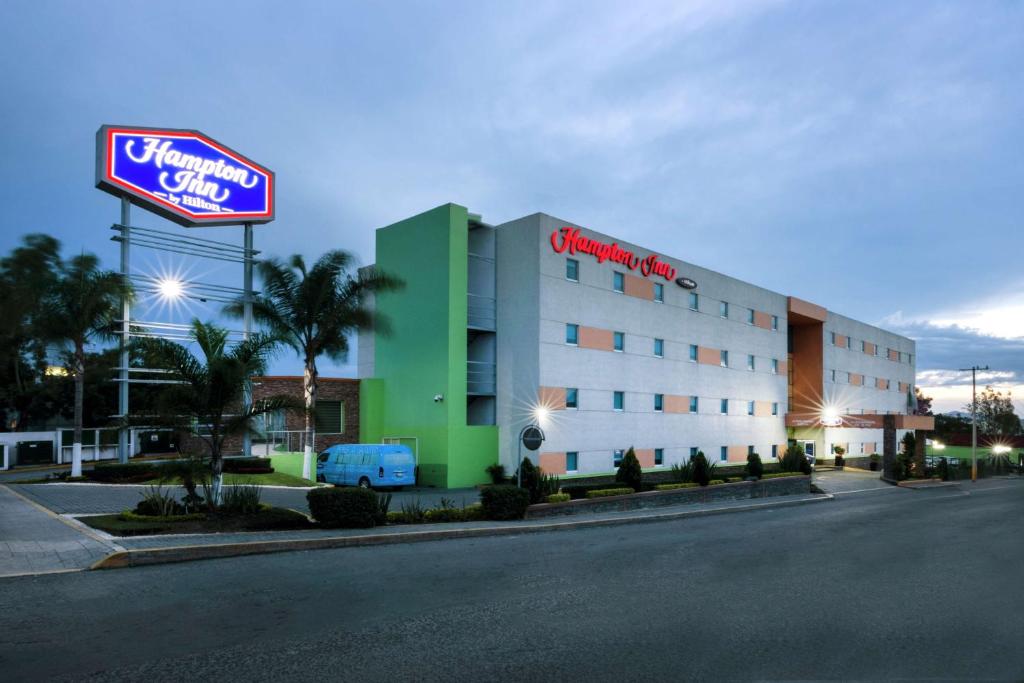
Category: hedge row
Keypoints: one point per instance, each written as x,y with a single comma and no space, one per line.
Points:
778,475
673,487
604,493
248,466
118,473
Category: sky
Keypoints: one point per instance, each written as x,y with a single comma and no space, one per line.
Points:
862,155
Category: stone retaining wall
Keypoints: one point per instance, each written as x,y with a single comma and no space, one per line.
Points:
741,490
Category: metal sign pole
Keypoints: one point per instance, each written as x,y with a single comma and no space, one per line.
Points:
247,329
122,389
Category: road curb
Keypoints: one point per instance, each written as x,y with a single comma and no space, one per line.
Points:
189,553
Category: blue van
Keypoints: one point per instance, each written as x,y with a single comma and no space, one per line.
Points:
366,465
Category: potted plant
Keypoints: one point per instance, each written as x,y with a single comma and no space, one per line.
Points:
875,459
840,452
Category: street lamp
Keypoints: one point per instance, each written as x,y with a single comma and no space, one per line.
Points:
974,418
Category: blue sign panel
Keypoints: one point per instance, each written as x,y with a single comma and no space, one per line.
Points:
183,175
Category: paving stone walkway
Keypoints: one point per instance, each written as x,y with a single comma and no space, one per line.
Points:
34,541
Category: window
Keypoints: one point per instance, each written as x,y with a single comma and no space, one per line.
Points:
572,398
659,292
617,457
723,406
723,358
659,402
750,407
693,404
863,346
619,340
693,352
750,316
693,452
775,408
659,457
775,450
659,348
775,366
572,270
572,461
694,301
751,363
775,323
572,334
723,453
723,309
618,400
330,417
618,282
833,339
832,374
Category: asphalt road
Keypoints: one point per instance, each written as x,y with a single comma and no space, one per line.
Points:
881,584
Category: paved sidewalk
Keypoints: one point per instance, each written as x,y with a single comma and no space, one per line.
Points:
82,498
35,541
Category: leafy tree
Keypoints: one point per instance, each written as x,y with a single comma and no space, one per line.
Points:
701,469
207,401
629,472
81,306
924,403
26,275
948,425
314,311
995,413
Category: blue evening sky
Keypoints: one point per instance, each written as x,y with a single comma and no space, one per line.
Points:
866,156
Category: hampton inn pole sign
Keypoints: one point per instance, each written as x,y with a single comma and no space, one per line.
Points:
183,175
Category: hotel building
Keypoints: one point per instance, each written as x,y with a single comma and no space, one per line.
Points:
624,347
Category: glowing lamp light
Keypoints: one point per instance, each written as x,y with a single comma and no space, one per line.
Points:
540,414
171,288
938,445
1000,449
830,417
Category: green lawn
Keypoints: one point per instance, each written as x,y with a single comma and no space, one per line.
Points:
288,463
278,477
267,519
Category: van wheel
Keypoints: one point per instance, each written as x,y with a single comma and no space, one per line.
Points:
364,483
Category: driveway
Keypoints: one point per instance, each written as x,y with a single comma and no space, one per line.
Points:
105,498
845,481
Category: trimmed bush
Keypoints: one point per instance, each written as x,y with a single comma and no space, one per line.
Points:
795,460
497,473
673,487
504,502
701,469
604,493
129,516
530,480
755,468
247,466
779,475
629,472
715,482
558,498
118,473
344,508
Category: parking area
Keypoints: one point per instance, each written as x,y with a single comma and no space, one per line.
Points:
847,481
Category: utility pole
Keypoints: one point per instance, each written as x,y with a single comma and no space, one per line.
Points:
974,418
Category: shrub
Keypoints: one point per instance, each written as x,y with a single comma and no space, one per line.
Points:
241,500
629,472
118,473
943,469
473,513
795,460
413,511
497,473
701,469
604,493
777,475
504,502
683,473
248,466
158,503
444,514
754,466
383,503
547,485
558,498
529,478
344,508
130,516
673,487
713,482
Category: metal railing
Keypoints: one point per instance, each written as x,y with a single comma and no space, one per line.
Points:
480,378
480,312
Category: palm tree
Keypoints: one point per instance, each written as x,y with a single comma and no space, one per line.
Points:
207,400
80,307
314,311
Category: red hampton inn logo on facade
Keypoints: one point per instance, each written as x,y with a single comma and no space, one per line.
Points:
569,239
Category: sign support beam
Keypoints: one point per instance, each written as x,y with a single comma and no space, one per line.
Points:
122,387
247,329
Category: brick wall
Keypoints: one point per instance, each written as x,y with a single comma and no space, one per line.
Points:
329,389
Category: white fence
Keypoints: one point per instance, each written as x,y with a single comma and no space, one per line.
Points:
97,444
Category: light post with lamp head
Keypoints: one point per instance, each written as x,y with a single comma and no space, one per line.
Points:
531,436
